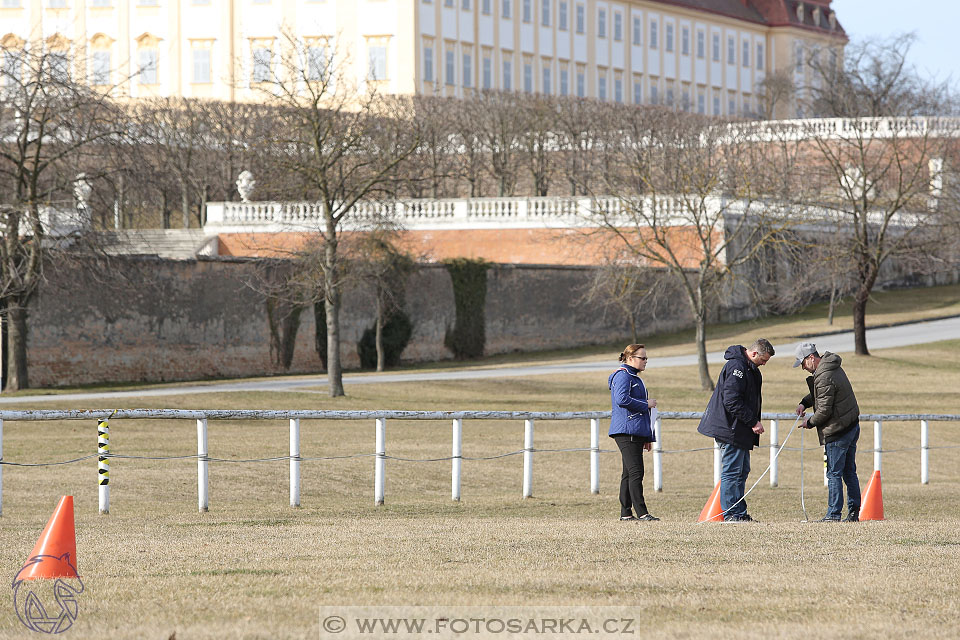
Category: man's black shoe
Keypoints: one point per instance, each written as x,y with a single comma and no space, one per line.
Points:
627,518
853,516
828,519
648,518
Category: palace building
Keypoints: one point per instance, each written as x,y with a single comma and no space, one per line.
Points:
708,56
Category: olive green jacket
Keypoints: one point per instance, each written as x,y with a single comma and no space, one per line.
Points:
835,408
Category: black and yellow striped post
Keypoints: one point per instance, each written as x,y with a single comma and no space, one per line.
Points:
103,464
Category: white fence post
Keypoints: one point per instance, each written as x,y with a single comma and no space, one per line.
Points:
594,455
716,463
657,456
379,468
527,458
877,445
203,487
924,452
103,465
294,462
774,444
457,454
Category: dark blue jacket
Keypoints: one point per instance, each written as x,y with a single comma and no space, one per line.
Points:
734,407
628,399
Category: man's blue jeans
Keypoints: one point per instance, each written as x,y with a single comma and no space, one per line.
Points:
734,469
842,467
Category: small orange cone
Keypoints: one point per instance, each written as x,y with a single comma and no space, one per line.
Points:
712,510
871,507
55,554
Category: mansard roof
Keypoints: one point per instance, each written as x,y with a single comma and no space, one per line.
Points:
771,13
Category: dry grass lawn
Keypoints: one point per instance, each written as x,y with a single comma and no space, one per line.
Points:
255,568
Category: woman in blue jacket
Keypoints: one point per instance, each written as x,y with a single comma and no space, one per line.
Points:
631,427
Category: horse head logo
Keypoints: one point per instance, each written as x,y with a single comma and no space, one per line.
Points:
47,606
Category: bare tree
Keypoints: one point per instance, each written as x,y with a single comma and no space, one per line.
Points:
633,292
538,140
578,122
343,143
874,169
688,200
49,120
495,117
776,90
434,165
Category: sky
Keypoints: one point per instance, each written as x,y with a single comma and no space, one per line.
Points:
935,53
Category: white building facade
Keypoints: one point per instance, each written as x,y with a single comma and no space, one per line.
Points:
708,56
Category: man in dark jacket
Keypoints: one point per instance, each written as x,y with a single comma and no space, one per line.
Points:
732,418
836,417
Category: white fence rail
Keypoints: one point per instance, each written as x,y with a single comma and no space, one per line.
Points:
529,418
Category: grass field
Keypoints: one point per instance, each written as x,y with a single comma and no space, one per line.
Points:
253,567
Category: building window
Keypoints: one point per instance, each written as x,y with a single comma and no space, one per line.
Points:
527,10
581,84
428,64
653,94
528,77
467,70
149,65
564,82
716,47
581,18
653,34
201,65
262,64
100,69
731,106
602,85
798,58
487,73
685,41
10,4
731,51
58,4
545,13
602,23
669,96
669,44
507,76
760,57
617,26
448,3
465,5
100,4
547,89
701,44
12,65
716,105
701,104
450,74
618,89
746,54
637,91
378,62
637,28
485,7
505,9
154,3
562,16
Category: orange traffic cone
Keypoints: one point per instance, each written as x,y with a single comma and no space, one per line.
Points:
712,510
871,507
55,554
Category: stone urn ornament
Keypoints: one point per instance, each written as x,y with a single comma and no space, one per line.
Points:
245,185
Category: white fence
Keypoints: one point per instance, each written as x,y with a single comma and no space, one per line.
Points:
456,455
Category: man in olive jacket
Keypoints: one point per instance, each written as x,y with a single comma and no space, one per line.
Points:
836,417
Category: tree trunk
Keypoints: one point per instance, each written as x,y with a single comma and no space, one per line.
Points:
860,321
334,368
706,382
184,204
166,212
332,296
833,303
16,351
381,359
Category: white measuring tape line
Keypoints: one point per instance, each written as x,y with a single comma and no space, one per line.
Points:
785,440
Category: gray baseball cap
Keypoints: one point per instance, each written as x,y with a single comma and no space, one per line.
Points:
803,350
